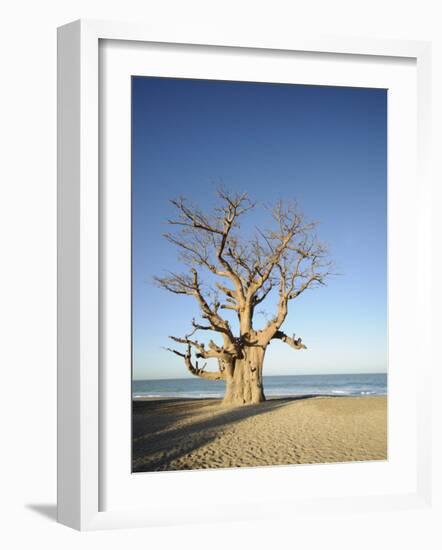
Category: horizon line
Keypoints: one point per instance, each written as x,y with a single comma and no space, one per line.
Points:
267,375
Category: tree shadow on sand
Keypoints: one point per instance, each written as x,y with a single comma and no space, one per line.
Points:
157,440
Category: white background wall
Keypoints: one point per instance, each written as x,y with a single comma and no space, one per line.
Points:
28,262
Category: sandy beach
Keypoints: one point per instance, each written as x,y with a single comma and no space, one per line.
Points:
183,434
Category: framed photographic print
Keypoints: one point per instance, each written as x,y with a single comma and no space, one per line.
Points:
242,257
247,257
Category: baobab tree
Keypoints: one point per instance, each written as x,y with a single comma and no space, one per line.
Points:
228,270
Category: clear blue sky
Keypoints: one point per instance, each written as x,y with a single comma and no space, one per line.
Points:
324,146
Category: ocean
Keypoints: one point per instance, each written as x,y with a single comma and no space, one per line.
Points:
274,386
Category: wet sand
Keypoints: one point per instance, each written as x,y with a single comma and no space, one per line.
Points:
183,434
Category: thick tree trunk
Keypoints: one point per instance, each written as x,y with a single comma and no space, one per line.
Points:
244,384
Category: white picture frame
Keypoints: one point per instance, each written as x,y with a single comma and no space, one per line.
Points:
80,436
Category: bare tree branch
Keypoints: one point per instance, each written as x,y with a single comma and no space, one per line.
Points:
213,350
291,341
196,370
189,285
